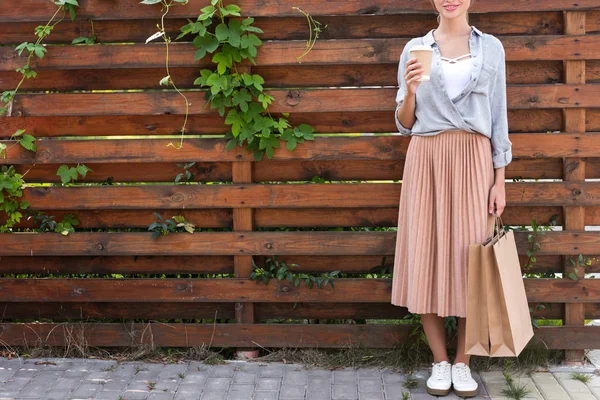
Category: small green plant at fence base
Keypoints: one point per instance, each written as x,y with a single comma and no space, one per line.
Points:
578,376
166,226
514,391
280,270
71,174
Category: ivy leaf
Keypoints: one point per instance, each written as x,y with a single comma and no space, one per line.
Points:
82,170
235,33
84,40
21,47
150,1
257,80
27,141
222,32
205,44
42,30
19,132
307,131
224,61
242,98
66,174
230,145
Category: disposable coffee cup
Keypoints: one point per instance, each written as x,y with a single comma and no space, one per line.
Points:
424,54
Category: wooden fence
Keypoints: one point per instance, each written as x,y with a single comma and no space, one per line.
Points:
347,84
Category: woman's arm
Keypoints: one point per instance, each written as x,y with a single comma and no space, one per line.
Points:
409,71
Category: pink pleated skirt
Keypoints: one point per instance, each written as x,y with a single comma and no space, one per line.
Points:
443,208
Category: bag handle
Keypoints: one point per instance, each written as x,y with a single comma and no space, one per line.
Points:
498,226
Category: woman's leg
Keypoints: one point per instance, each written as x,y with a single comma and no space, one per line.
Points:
460,345
435,332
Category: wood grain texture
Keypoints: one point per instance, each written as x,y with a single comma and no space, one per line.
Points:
324,52
527,146
295,28
279,76
307,101
526,120
19,11
341,195
256,243
363,290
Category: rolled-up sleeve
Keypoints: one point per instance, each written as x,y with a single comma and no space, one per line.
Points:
401,90
501,145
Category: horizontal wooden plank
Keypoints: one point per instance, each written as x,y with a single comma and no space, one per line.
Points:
324,52
110,173
107,311
295,27
270,171
361,290
380,148
223,196
225,335
256,243
308,101
200,243
526,120
269,335
18,11
342,195
75,311
198,266
124,219
182,264
172,310
519,72
187,290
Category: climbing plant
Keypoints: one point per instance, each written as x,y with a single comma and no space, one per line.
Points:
241,94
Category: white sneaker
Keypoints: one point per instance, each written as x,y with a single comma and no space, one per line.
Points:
440,380
462,381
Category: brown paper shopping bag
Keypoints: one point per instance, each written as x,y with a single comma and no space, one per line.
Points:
477,341
510,328
496,263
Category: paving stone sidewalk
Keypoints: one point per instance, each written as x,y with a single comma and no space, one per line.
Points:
239,380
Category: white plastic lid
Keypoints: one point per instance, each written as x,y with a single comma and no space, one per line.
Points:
420,47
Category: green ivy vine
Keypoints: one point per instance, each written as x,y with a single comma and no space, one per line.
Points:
242,94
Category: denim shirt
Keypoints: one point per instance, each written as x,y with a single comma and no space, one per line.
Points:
480,107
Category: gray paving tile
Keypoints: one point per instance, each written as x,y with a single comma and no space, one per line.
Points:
292,391
268,384
213,395
266,395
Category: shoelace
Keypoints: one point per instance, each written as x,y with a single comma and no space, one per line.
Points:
462,372
439,369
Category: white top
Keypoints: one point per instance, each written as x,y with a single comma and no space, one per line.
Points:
456,73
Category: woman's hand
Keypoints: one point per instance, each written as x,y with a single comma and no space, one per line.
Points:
412,76
497,199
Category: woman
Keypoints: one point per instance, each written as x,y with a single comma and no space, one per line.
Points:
453,179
